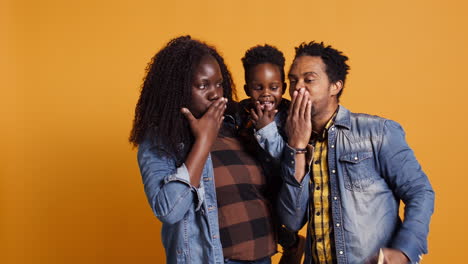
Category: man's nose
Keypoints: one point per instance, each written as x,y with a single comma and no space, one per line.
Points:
299,84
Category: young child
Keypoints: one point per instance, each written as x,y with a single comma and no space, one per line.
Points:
205,188
265,85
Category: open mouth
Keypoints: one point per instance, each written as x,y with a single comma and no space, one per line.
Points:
267,105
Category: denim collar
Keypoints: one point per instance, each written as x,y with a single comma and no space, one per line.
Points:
343,117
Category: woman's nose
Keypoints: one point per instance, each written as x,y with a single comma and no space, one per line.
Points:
214,93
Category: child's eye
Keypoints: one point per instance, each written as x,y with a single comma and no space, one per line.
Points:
202,86
257,87
274,88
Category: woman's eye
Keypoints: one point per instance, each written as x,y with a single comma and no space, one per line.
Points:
309,80
202,86
219,85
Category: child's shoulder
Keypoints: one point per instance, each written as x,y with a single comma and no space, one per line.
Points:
246,104
284,105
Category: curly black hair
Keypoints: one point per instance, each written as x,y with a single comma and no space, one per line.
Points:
166,89
335,60
262,54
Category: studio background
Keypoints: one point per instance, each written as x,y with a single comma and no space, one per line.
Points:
71,71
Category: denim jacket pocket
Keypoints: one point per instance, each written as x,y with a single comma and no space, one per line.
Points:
357,170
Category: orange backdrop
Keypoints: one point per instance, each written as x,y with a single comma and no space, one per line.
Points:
71,73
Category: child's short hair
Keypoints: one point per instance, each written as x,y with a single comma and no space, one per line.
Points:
262,54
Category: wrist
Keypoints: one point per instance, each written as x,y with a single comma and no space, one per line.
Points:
300,150
296,145
204,141
261,124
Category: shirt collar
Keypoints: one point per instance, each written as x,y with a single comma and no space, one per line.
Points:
321,137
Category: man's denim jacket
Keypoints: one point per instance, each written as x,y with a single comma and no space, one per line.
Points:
189,215
371,169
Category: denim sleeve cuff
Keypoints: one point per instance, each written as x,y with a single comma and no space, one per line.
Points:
289,167
200,191
182,175
267,131
409,246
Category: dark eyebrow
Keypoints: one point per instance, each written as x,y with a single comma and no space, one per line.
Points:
313,73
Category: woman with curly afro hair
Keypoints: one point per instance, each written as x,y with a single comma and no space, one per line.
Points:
200,180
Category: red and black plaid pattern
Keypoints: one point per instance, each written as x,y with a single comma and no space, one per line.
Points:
245,223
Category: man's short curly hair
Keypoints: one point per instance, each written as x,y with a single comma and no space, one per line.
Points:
262,54
335,60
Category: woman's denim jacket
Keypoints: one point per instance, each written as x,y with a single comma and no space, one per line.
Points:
371,169
190,231
189,217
